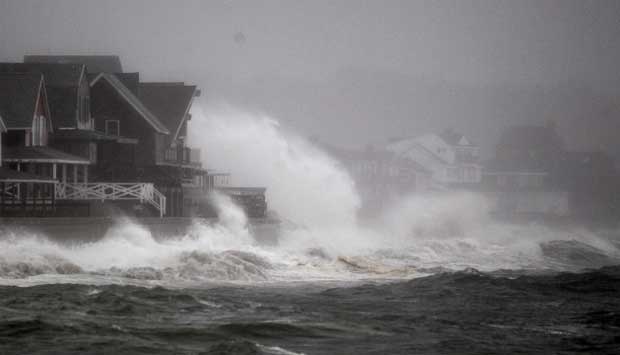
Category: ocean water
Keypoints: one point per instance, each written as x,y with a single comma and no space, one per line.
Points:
433,275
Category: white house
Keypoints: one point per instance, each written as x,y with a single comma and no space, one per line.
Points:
451,157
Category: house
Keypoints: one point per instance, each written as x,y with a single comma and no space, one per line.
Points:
593,184
171,102
27,121
14,187
524,158
381,176
518,178
451,157
68,93
95,63
79,130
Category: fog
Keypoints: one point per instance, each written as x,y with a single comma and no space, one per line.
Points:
358,72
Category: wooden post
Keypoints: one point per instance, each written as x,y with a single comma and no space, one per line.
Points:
75,174
54,171
64,173
85,174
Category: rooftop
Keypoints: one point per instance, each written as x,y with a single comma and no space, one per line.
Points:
64,75
94,63
169,102
133,100
18,99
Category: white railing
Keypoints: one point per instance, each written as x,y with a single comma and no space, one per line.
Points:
144,192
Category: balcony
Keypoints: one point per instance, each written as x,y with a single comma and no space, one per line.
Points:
183,156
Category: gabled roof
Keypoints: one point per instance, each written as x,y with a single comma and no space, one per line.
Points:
63,75
454,138
170,102
132,100
2,125
94,63
61,81
130,80
18,98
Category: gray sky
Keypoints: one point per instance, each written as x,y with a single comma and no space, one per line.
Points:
354,71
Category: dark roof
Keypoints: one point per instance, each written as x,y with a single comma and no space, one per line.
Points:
40,154
94,63
529,137
18,97
133,100
55,74
170,103
130,80
63,105
10,175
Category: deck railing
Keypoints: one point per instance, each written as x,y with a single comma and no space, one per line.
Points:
143,192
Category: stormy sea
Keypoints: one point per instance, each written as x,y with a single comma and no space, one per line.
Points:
432,274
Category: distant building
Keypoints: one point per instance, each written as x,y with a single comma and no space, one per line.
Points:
451,157
382,176
519,176
593,183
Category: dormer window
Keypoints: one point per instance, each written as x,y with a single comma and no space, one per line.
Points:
112,127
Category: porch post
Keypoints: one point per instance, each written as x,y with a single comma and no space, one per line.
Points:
85,174
64,173
54,171
75,173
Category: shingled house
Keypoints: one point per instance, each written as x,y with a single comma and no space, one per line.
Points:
94,63
100,136
519,176
171,102
26,119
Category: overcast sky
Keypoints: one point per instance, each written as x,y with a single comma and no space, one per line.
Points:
349,71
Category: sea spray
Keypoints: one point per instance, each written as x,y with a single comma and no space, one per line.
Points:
304,185
320,238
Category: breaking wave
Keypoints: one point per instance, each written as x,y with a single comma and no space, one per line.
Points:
319,238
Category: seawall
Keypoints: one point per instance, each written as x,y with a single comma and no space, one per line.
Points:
87,229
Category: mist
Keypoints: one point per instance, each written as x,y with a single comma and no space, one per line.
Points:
380,69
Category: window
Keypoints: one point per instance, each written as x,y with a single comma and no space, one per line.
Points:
112,127
84,110
39,131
